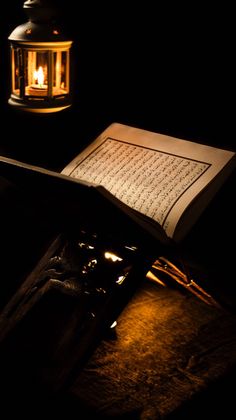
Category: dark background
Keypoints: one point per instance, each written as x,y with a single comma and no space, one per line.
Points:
164,68
167,69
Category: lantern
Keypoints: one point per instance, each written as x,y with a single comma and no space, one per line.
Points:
40,61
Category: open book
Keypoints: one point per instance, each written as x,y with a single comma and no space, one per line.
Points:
160,182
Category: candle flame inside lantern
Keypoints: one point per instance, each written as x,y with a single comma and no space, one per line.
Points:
39,76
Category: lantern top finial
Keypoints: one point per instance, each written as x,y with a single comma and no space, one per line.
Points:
40,10
42,23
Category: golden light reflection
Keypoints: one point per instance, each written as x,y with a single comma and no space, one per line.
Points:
121,279
152,277
112,257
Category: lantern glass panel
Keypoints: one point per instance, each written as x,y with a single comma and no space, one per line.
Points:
15,71
60,72
36,73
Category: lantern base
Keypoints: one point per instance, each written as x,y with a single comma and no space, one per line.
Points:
36,109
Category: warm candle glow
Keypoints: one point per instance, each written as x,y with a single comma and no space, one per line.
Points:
39,76
37,85
42,82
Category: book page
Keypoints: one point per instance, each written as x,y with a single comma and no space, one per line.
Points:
154,174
